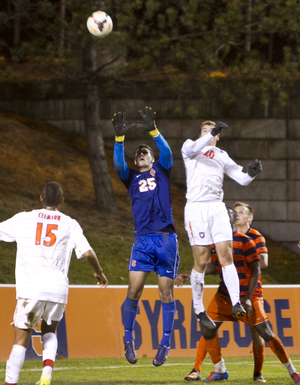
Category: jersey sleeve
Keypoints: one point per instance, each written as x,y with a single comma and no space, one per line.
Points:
165,155
81,244
120,164
8,229
259,240
191,148
235,172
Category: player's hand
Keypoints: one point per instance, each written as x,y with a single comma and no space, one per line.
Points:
102,280
181,279
149,119
218,128
247,306
254,168
119,123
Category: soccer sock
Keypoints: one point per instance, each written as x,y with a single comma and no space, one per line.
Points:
49,353
197,283
231,281
14,364
130,312
220,367
277,348
214,349
201,354
168,315
259,357
290,367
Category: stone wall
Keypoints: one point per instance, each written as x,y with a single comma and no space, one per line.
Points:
266,134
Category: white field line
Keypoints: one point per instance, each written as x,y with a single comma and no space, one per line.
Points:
272,363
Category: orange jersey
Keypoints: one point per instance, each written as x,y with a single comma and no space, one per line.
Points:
244,253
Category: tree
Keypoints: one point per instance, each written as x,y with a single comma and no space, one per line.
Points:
226,49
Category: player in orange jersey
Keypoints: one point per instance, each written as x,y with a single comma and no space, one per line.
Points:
245,215
246,260
45,241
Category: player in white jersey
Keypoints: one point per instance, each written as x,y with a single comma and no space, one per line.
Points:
206,218
45,240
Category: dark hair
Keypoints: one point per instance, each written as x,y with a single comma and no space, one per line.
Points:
140,146
52,194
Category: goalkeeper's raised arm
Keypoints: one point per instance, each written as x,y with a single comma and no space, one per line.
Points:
165,156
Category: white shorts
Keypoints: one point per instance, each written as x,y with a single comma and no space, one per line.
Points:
29,312
207,223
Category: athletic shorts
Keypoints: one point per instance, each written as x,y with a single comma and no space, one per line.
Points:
29,312
155,252
220,308
207,223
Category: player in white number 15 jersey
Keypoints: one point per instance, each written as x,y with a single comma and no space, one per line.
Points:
205,215
45,240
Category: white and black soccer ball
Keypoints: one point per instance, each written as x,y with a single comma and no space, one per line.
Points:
99,24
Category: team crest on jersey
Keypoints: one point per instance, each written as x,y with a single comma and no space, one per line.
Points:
133,263
152,172
202,234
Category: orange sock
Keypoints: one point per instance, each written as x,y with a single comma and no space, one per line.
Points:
259,357
214,349
277,347
201,353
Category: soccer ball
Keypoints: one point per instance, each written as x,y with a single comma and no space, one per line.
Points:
99,24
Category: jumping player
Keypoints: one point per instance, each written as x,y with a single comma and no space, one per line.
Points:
155,247
45,241
206,218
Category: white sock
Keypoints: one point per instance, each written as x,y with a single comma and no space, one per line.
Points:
290,367
220,367
231,280
197,283
14,364
49,353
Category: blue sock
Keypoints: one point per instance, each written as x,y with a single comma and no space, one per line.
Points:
130,312
168,314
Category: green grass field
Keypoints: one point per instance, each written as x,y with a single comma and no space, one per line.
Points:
119,371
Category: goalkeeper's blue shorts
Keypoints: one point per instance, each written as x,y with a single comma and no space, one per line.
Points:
155,252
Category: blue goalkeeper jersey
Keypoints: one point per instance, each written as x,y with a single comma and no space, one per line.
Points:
150,191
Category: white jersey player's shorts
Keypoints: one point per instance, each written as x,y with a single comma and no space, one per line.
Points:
29,312
207,223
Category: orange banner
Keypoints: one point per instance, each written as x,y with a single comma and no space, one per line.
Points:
92,326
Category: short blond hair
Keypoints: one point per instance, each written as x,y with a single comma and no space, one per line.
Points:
207,123
250,209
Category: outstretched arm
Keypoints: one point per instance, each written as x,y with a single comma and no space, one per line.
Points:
191,148
165,156
121,166
120,127
244,178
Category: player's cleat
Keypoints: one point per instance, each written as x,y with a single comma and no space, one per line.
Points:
205,320
296,378
258,377
161,355
193,376
238,311
215,376
45,380
130,353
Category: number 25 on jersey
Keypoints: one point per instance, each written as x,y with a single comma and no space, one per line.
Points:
49,234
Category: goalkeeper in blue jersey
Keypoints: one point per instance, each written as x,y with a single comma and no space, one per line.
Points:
155,247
